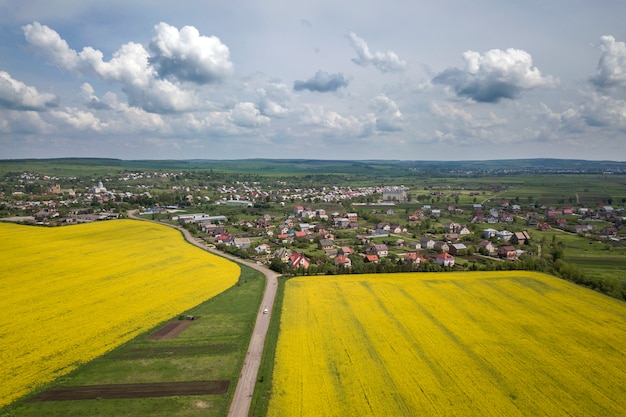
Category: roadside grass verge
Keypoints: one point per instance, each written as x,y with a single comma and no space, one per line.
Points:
263,387
212,348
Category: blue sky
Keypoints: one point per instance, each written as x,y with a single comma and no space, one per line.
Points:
450,80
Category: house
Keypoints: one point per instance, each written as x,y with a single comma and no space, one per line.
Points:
458,249
341,222
262,248
478,218
489,233
441,246
326,244
532,221
487,246
415,245
346,250
352,217
464,231
298,260
396,228
412,258
371,259
223,239
378,249
445,259
507,218
242,243
427,243
504,235
583,228
282,254
383,226
543,226
300,234
520,238
507,252
343,260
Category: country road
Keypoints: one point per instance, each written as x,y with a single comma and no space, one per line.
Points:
242,399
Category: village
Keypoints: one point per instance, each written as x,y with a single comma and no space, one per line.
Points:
324,228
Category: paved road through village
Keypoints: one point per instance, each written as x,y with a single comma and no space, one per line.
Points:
240,406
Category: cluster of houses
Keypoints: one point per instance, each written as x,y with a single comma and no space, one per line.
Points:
272,240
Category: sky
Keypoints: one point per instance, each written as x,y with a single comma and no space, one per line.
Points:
338,80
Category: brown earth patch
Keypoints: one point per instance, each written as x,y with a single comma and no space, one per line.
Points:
170,330
112,391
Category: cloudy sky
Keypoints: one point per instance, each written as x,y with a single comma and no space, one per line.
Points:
326,79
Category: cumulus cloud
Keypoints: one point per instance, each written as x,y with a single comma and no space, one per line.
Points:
247,115
273,99
78,119
387,61
186,55
16,95
91,101
604,111
612,65
459,126
151,81
495,75
388,115
24,122
322,82
334,124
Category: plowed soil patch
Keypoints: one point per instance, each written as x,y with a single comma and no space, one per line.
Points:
112,391
170,330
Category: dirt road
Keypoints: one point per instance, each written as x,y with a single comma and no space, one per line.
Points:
240,406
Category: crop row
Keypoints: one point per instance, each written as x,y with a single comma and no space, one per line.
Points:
505,343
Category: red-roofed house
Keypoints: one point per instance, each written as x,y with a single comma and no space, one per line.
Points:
343,260
445,259
298,260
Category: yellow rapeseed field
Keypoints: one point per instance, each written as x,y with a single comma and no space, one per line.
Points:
70,294
468,344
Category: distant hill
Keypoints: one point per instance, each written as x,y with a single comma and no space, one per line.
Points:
311,166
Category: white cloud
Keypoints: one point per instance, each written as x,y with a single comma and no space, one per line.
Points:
90,99
28,122
273,99
334,124
605,111
387,61
186,55
388,115
77,119
247,115
495,75
612,65
16,95
458,126
132,65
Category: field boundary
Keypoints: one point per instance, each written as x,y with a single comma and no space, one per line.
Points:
116,391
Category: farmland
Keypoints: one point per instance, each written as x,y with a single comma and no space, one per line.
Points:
489,343
71,294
